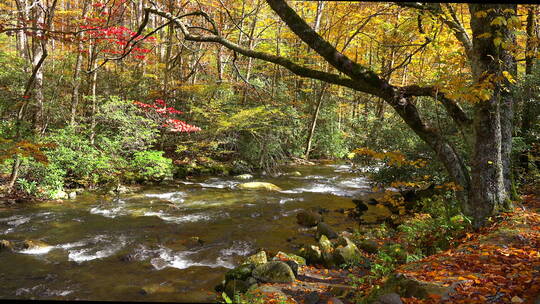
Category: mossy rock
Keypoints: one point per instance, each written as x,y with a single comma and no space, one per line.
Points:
348,254
282,256
327,251
257,259
274,272
312,254
241,272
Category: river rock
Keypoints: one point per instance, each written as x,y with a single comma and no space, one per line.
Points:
241,272
311,298
32,244
282,256
368,246
361,207
259,186
325,229
121,189
308,218
334,300
5,244
244,176
257,259
193,242
389,298
312,254
60,195
236,286
326,251
274,272
72,195
408,286
348,254
294,267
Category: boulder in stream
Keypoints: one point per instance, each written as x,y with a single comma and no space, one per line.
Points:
244,176
259,186
325,229
308,218
5,244
60,195
274,272
32,244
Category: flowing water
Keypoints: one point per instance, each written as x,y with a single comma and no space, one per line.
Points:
90,237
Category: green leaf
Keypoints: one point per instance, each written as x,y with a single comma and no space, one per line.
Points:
499,21
226,298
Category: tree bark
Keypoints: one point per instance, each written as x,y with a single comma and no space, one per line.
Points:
492,128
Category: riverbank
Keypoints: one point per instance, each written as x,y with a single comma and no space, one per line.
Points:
498,264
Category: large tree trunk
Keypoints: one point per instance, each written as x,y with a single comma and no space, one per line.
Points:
490,164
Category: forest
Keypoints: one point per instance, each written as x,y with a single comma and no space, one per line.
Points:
270,151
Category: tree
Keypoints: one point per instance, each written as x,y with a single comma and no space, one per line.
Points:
486,186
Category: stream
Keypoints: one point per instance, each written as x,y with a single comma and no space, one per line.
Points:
110,248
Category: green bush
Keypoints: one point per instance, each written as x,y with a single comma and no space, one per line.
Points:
151,166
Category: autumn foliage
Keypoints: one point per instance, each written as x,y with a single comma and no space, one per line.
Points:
498,265
163,113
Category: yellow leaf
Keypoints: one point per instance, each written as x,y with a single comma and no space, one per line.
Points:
517,299
509,77
484,35
481,14
497,41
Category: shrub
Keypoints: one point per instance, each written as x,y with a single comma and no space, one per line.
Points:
151,166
